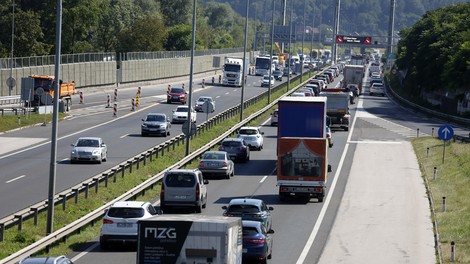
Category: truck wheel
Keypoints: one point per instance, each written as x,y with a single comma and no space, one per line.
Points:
320,199
282,197
346,128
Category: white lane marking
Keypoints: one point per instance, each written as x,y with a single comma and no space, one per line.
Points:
17,178
217,96
321,216
263,179
123,136
374,142
78,132
86,251
227,92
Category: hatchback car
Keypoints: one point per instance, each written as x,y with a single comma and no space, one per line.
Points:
257,241
250,209
91,149
183,188
252,136
200,102
176,95
267,82
120,221
155,123
216,163
377,88
307,91
46,260
329,136
274,117
236,148
180,115
287,71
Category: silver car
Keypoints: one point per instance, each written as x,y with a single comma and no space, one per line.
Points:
155,123
46,260
216,163
91,149
200,102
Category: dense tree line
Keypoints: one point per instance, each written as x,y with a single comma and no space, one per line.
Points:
117,26
436,51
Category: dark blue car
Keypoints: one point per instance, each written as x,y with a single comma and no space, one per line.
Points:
257,241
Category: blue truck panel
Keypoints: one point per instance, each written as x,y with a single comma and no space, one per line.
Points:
300,118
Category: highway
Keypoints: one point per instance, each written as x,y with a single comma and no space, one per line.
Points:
303,230
25,153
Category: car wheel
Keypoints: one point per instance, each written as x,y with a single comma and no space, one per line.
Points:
227,176
168,132
143,134
199,208
104,244
168,101
72,161
320,199
205,203
105,157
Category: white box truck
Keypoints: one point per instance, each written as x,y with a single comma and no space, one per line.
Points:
197,239
233,69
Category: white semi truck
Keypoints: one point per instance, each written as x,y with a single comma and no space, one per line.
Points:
233,69
190,239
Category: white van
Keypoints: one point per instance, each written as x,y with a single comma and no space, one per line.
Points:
183,188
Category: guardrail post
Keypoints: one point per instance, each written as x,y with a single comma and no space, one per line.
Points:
97,184
86,189
64,199
150,152
2,230
417,133
106,176
443,203
168,147
432,132
130,165
163,150
452,251
20,222
145,159
138,162
35,215
123,168
76,193
434,175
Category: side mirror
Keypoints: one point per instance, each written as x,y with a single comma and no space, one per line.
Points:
73,145
270,231
224,207
168,119
262,133
143,119
270,208
329,168
205,181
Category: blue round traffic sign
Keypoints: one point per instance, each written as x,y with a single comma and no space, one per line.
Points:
445,132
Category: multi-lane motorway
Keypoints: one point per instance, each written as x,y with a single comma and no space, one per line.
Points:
302,230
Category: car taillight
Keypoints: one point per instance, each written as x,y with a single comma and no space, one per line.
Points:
198,191
107,221
225,164
256,241
258,215
229,215
221,148
318,190
201,164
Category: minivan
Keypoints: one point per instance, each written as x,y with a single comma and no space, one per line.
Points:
183,188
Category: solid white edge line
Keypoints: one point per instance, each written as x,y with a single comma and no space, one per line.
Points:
14,179
263,179
84,252
319,221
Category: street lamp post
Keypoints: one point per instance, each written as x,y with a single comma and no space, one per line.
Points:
290,44
244,60
188,135
10,82
271,59
303,54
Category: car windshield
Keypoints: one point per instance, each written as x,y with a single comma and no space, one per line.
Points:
180,180
243,209
204,99
88,143
213,156
177,90
248,132
125,212
231,144
155,118
249,231
182,109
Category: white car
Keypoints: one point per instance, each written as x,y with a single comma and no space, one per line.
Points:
120,221
377,88
252,136
91,149
180,114
274,117
266,82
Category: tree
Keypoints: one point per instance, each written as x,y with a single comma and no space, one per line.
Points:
146,34
179,38
177,12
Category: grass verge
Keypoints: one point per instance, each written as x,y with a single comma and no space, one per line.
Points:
453,182
15,240
10,121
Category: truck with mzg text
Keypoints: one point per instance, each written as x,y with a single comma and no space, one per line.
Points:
337,107
181,239
302,160
233,71
38,90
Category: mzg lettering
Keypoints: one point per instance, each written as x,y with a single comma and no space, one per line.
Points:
160,232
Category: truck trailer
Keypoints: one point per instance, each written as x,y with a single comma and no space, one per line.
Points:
233,71
181,239
353,74
302,162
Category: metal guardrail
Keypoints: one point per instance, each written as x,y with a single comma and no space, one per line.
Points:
91,218
9,100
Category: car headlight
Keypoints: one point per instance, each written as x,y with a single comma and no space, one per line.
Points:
144,125
74,152
96,152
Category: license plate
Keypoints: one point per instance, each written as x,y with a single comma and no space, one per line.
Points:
180,196
124,225
175,97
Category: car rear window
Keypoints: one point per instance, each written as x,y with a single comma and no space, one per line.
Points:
248,132
180,180
250,231
231,143
243,208
125,212
177,90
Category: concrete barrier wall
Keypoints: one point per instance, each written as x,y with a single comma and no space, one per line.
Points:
92,74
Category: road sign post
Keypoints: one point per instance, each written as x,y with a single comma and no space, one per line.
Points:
445,133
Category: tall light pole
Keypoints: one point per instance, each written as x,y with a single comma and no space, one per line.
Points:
271,59
290,44
303,55
193,45
336,30
311,43
55,121
10,80
391,27
244,60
